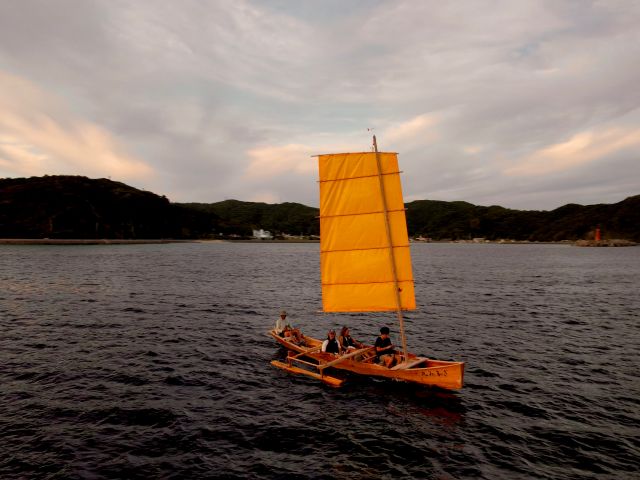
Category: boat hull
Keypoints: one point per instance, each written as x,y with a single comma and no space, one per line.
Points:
420,370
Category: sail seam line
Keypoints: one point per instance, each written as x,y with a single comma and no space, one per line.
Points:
360,249
358,177
363,213
367,283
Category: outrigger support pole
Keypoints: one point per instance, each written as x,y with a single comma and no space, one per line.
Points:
341,359
392,259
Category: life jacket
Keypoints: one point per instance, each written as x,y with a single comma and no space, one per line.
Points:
333,347
347,342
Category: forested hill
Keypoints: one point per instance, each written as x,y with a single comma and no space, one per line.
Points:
462,220
241,218
79,207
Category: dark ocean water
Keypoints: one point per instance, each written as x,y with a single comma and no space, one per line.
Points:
152,361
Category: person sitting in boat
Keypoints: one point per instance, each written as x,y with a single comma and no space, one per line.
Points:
331,345
281,323
346,341
385,351
286,332
298,337
294,335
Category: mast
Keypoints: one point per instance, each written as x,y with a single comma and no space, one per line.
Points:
392,259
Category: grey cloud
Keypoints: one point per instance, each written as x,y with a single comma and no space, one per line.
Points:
190,86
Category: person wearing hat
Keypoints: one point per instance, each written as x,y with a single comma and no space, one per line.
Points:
331,345
286,331
385,352
281,323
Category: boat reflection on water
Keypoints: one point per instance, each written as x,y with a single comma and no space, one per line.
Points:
400,399
408,400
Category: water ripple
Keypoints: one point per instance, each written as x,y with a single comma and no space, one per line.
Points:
151,361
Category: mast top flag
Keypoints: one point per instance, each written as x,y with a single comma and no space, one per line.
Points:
365,261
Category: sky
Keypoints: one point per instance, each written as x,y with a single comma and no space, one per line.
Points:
527,104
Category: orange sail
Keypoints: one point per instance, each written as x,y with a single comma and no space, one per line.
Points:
357,257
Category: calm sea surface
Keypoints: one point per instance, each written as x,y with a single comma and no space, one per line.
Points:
152,361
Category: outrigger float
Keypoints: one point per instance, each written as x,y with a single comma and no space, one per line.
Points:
365,266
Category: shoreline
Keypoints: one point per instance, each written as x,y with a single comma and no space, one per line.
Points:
115,241
72,241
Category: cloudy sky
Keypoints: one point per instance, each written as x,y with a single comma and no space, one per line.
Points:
524,104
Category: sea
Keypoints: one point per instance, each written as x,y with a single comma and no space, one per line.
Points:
153,362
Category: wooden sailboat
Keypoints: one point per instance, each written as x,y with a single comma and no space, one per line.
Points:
365,266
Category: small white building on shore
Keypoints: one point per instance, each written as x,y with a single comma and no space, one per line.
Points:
262,234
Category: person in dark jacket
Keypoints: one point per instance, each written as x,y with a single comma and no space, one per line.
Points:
346,341
385,351
331,345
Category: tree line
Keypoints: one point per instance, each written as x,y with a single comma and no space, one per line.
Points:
79,207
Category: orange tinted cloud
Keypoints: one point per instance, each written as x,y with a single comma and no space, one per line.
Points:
40,135
580,149
271,161
416,130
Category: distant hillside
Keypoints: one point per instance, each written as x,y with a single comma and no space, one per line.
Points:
236,217
461,220
79,207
